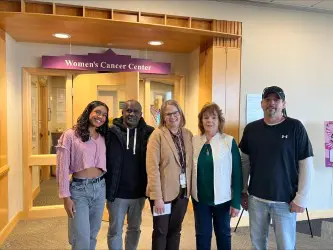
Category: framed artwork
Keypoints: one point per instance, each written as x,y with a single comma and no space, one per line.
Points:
328,143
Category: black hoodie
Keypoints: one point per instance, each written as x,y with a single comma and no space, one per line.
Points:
126,165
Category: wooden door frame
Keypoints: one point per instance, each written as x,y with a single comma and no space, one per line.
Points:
45,172
30,212
178,81
45,160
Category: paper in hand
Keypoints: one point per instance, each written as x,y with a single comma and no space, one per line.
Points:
167,210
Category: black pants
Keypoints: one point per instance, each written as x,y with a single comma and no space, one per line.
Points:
207,216
166,228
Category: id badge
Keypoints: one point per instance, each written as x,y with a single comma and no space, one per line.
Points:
182,179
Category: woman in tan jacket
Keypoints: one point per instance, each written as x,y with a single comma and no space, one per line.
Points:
169,167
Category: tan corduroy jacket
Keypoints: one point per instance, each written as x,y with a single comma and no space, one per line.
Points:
163,166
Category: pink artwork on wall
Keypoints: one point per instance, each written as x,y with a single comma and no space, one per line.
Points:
329,143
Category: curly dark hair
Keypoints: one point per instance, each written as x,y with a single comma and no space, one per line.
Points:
82,125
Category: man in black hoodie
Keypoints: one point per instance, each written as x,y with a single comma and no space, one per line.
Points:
126,177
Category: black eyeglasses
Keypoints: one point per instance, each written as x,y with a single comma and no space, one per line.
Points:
176,113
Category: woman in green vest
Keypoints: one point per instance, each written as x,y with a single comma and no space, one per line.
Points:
216,179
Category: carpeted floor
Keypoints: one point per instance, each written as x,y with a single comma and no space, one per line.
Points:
316,225
48,194
52,234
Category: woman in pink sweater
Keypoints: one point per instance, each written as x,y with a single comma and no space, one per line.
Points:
81,152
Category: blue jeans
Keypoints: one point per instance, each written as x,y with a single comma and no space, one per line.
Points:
117,211
284,224
89,199
205,216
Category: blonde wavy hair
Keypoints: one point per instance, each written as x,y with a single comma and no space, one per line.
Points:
175,104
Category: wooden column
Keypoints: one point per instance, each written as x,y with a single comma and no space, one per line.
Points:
3,136
4,231
3,101
205,74
132,85
26,142
147,102
45,172
220,81
232,92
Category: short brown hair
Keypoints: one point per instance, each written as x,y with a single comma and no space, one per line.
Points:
211,108
173,103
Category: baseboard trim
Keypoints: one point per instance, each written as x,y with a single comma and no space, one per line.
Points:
35,192
9,227
46,212
315,214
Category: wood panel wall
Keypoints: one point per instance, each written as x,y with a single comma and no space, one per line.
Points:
3,197
219,81
3,135
219,74
232,92
205,74
3,101
231,29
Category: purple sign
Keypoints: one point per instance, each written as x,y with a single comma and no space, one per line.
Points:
107,62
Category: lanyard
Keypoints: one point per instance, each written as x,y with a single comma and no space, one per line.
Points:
182,154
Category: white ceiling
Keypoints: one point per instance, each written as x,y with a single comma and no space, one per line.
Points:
324,6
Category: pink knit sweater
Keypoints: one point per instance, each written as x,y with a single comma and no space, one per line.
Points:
74,155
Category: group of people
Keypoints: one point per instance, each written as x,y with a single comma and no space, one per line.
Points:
130,161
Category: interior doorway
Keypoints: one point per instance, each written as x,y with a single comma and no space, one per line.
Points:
52,102
155,89
48,120
111,88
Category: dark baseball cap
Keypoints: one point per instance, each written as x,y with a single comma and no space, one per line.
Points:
273,89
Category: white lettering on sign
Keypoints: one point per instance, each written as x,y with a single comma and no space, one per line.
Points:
73,63
138,67
106,65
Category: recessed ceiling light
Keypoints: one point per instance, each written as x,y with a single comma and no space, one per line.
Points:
61,35
155,43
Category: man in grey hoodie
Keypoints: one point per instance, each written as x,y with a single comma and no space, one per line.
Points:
126,177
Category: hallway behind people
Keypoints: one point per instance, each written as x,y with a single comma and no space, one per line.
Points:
52,234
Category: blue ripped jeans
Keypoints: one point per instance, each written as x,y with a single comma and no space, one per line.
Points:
89,199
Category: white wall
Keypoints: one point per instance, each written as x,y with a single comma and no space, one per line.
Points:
291,49
14,127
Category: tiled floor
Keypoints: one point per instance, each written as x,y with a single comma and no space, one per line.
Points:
52,234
